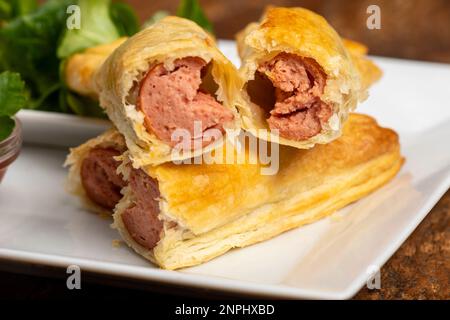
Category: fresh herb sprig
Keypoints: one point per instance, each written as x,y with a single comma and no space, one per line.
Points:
189,9
35,43
13,97
192,10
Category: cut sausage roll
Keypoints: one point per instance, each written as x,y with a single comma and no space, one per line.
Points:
93,175
170,92
300,81
230,206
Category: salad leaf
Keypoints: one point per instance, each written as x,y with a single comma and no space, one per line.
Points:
124,18
28,46
6,127
192,10
13,97
5,10
22,7
35,42
10,9
96,28
101,22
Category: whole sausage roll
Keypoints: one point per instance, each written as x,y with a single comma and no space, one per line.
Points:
234,205
300,81
80,68
170,92
368,71
93,175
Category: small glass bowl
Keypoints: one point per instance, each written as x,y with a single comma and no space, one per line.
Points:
10,148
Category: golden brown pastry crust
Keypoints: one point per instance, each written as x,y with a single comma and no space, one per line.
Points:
229,206
369,72
167,40
81,67
306,34
110,139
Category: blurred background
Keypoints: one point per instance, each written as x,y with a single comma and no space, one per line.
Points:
411,29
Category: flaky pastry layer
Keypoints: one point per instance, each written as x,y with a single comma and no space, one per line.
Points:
167,40
229,206
110,139
306,34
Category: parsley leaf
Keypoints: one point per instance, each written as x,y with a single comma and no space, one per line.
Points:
13,96
6,127
192,10
124,18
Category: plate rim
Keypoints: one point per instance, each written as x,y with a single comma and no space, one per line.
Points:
202,281
277,290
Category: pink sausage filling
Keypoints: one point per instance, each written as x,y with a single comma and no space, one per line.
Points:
298,111
141,219
173,100
99,178
102,185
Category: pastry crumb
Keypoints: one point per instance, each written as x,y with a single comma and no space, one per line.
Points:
116,243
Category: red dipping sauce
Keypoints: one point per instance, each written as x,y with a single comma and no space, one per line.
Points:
10,149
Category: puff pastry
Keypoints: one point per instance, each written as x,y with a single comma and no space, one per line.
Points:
169,76
369,72
300,81
230,206
89,162
80,68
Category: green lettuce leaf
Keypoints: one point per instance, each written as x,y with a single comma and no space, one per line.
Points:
28,46
10,9
5,10
22,7
13,96
124,18
192,10
96,28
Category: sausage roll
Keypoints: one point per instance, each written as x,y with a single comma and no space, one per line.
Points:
229,206
300,81
93,173
369,72
80,68
170,92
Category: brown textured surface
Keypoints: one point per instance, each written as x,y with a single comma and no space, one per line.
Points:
420,269
412,29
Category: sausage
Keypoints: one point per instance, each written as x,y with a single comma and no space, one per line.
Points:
102,184
298,113
99,178
171,100
141,219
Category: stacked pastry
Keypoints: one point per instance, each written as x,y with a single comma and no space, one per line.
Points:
295,90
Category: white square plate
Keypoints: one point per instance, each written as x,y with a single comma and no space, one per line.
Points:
40,223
